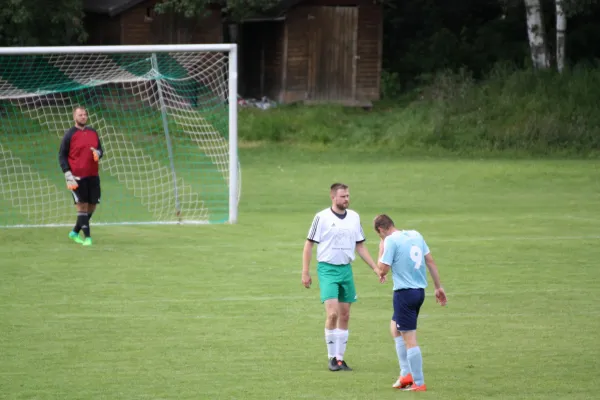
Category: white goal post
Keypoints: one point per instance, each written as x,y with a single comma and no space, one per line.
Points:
166,116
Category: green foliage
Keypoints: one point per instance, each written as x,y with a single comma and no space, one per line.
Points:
426,36
510,111
575,7
391,87
41,23
235,9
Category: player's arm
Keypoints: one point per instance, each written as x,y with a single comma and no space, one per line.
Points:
63,152
313,236
361,249
63,160
383,261
363,252
306,257
382,268
98,151
440,294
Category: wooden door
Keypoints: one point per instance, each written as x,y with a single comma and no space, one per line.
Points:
332,53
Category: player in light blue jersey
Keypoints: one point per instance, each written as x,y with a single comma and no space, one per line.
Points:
405,253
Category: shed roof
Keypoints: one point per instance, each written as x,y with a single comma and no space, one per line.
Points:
116,7
274,13
110,7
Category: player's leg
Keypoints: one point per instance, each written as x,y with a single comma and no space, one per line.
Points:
405,378
408,328
93,199
415,360
331,336
342,334
329,291
80,200
91,209
347,296
95,194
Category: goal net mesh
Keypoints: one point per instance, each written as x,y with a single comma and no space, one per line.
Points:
163,121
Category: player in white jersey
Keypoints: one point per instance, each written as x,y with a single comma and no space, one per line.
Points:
338,234
405,253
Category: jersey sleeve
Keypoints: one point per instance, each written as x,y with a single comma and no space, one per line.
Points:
389,248
314,233
63,152
360,234
425,248
99,148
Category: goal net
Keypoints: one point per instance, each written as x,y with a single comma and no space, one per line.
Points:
166,117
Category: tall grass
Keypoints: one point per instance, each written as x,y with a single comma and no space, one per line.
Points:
515,111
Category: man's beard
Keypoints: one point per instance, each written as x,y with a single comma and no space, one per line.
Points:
342,206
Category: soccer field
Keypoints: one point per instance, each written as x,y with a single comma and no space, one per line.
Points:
219,312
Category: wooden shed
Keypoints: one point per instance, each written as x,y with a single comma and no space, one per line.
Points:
121,22
313,51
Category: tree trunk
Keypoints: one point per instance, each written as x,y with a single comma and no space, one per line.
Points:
561,30
536,34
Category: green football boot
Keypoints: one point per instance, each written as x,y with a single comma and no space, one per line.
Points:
75,237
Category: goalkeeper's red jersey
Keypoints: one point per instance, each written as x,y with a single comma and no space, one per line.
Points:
75,152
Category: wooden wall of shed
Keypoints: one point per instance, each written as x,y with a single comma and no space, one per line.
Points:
296,49
136,26
141,25
370,38
210,29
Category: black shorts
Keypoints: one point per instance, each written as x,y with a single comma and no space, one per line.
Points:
88,190
407,304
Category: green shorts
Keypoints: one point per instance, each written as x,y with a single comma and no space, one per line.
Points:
336,282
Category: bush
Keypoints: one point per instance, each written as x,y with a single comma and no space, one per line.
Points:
510,110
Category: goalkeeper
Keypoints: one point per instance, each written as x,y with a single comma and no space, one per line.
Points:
78,156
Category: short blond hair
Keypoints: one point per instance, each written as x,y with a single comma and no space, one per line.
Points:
337,186
79,108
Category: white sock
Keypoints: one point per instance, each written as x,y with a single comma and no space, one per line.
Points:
331,340
342,340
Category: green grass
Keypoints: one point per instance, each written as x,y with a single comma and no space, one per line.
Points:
218,311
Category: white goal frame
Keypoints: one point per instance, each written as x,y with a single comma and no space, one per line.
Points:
230,48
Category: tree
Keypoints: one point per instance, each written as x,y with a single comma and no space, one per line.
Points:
561,31
565,9
536,34
235,9
41,23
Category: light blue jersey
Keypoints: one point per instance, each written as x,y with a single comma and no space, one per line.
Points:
404,252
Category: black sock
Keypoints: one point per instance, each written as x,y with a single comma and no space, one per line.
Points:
79,222
90,215
85,225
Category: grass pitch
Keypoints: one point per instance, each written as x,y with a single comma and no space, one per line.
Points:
218,311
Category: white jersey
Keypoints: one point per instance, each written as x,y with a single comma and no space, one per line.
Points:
336,236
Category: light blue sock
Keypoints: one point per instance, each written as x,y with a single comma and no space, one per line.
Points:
415,359
402,358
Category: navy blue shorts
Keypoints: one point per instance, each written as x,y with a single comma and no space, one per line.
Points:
407,303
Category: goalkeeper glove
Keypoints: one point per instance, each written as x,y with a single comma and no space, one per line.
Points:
97,153
71,180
